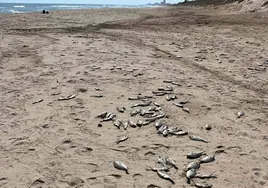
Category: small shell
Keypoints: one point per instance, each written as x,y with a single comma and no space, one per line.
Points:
240,114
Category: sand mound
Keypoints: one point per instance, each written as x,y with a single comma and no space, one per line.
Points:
253,5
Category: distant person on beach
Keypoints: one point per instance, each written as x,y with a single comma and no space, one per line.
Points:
47,12
44,11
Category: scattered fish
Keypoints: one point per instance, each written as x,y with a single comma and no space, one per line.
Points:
186,110
203,185
69,97
190,174
178,105
118,123
38,101
97,89
176,83
240,114
165,176
97,96
171,162
125,125
146,103
179,133
109,117
102,115
164,168
171,97
124,138
132,124
194,155
139,123
158,124
197,138
138,97
121,110
208,159
121,166
156,104
167,81
162,160
193,165
135,112
205,176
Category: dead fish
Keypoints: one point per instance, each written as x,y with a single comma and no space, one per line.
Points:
208,159
97,89
165,176
152,108
142,112
139,123
200,185
193,165
121,110
97,96
178,132
147,103
190,174
167,81
186,110
195,154
162,160
132,124
165,132
162,129
125,125
135,112
165,89
161,115
121,166
156,104
170,97
118,123
38,101
69,97
158,124
146,122
176,83
109,117
164,168
138,97
205,176
102,115
197,138
124,138
184,102
171,162
178,105
240,114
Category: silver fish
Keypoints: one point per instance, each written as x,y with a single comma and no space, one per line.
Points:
186,110
205,176
120,166
197,138
132,124
102,115
142,112
146,103
240,114
125,125
152,108
165,176
176,83
120,109
124,138
195,154
139,123
178,104
208,159
135,112
109,117
168,97
118,123
158,124
171,162
179,133
165,132
161,115
156,104
38,101
162,160
162,128
164,168
190,174
146,122
193,165
200,185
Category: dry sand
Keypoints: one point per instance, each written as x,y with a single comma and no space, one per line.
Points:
217,57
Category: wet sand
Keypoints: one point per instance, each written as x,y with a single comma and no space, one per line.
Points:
218,58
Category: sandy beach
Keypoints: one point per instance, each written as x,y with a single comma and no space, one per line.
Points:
216,58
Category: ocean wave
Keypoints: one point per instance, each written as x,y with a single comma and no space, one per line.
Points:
15,11
66,6
19,6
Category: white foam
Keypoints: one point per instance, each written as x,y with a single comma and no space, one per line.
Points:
19,6
66,6
15,11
